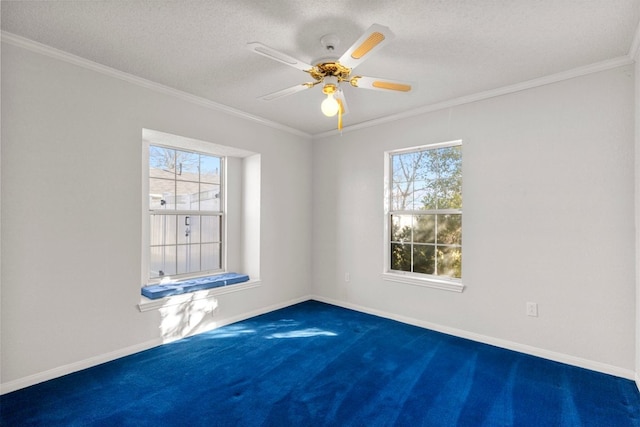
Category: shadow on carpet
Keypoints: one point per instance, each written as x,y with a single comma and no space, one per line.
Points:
314,364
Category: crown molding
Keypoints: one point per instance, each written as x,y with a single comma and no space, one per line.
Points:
46,50
480,96
15,40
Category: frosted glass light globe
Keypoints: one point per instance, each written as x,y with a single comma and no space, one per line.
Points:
330,106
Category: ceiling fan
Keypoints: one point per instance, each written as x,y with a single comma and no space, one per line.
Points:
333,72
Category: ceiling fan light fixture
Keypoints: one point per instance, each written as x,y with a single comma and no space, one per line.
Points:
330,106
331,71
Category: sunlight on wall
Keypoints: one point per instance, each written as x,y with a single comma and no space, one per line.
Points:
187,318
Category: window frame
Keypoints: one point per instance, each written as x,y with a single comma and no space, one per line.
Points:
155,138
408,277
177,213
242,207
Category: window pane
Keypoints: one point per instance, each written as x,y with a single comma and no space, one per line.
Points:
161,194
450,261
188,258
210,169
171,230
210,228
424,196
401,167
162,261
449,192
424,228
211,256
187,165
188,229
426,167
194,252
450,229
400,200
162,230
449,162
401,228
161,162
210,197
424,259
403,170
158,230
449,182
187,197
430,199
400,257
156,201
194,228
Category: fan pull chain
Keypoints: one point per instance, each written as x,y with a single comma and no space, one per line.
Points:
339,114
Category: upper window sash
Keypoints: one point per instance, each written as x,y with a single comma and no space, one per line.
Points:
189,180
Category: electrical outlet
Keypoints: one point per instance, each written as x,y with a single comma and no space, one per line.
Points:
532,309
347,277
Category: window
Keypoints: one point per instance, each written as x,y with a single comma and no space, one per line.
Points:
424,212
200,216
185,213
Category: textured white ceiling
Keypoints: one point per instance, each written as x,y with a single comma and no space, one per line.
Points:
447,48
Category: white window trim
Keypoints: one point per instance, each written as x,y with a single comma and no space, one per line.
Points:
250,255
405,277
427,282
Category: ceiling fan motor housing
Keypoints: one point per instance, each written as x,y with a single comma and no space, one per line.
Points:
334,69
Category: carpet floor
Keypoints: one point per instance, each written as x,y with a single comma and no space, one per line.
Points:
314,364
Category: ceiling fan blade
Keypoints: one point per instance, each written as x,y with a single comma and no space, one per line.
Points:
286,92
264,50
380,84
373,39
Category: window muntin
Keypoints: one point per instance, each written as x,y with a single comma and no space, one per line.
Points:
425,211
185,213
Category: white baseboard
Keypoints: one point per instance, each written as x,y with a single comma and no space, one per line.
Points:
76,366
510,345
127,351
522,348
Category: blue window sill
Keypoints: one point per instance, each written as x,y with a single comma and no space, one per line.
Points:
185,286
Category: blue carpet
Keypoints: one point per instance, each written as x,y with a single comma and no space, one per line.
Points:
314,364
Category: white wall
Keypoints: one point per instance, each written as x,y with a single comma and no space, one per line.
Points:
71,209
637,207
548,217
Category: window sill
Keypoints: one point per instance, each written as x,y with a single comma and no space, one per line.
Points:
147,304
445,285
